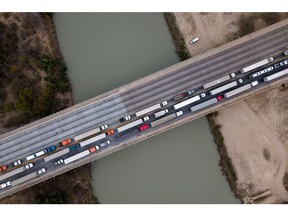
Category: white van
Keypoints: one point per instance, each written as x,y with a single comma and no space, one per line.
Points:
30,157
38,154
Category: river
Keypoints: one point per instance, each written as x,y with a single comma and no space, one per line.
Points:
107,50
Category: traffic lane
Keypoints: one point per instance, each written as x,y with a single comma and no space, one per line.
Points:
220,57
46,141
163,90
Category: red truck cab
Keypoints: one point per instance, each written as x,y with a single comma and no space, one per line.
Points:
3,168
66,142
143,127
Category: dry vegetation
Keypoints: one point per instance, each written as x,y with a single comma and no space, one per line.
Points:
33,84
72,187
32,71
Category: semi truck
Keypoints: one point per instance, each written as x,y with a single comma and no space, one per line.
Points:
240,89
93,139
86,134
217,81
256,65
275,75
186,102
130,125
76,157
223,88
163,120
56,154
23,179
160,113
203,105
148,110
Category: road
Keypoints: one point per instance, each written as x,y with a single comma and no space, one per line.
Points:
110,107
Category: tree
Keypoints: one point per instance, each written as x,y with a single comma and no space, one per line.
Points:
55,197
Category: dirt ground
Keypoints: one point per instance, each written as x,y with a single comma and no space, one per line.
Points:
213,29
255,130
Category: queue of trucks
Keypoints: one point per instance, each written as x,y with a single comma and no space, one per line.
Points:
94,135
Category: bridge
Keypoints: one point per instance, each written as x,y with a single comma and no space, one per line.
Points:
129,99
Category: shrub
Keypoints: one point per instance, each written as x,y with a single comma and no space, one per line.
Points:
55,197
246,25
8,107
56,73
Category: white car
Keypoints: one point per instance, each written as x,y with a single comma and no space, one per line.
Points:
59,162
103,127
164,103
254,75
16,163
146,118
194,40
240,81
41,171
203,95
179,113
28,166
126,118
107,142
5,185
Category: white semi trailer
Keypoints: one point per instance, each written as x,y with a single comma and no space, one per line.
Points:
148,110
93,139
275,75
76,157
86,134
203,105
223,88
186,102
256,65
130,125
218,81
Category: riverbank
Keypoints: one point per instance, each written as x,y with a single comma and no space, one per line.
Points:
243,171
34,84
